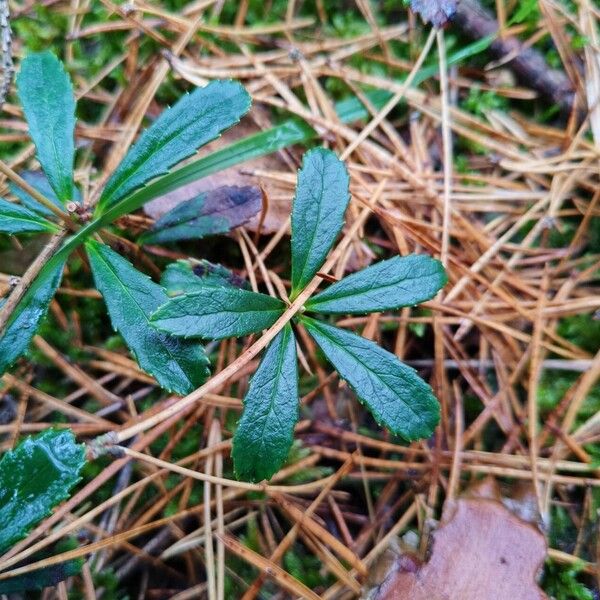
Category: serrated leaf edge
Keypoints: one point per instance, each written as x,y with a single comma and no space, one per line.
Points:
205,358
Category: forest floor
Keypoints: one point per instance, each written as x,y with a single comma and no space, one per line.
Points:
477,143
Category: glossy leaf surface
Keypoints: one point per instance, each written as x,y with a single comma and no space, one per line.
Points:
292,131
195,120
265,432
188,276
317,214
34,477
218,312
26,317
18,219
386,285
131,297
394,393
46,94
210,213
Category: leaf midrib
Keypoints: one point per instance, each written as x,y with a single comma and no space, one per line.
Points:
23,218
57,160
362,290
224,311
314,231
184,125
343,349
227,312
273,395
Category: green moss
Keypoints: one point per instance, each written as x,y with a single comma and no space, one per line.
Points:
478,101
581,330
307,568
562,582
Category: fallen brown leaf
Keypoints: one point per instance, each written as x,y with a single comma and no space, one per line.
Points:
481,551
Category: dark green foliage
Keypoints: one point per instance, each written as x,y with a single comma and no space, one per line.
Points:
34,478
394,393
389,284
38,180
217,313
210,306
26,317
47,97
37,580
46,93
396,396
210,213
18,219
131,297
321,200
292,131
195,120
188,276
265,432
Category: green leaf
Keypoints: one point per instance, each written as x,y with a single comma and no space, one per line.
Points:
46,93
252,146
523,10
394,393
131,297
317,214
26,317
265,432
218,312
386,285
195,120
34,478
290,132
188,276
209,213
39,181
41,578
18,219
293,131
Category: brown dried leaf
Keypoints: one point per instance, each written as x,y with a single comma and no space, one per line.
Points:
481,551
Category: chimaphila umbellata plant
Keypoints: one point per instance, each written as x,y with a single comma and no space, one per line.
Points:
47,466
394,393
46,93
41,471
